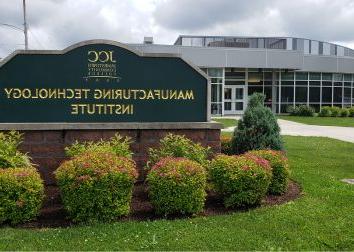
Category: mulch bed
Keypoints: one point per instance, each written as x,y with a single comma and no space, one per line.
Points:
53,214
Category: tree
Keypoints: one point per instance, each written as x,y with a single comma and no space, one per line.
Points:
258,129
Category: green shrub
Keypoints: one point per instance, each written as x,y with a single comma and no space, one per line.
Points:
226,144
303,110
10,156
326,111
96,186
178,146
21,194
280,170
177,185
335,111
290,109
344,112
258,129
241,180
118,145
351,112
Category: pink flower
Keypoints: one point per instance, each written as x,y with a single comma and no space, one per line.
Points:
83,178
245,168
20,203
22,174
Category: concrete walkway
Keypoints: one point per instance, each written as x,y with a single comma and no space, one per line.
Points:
300,129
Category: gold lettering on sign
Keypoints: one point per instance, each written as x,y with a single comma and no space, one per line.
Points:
102,109
102,65
99,95
94,54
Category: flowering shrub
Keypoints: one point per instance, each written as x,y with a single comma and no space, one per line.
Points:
118,145
280,169
21,194
177,185
96,186
241,180
226,144
9,154
178,146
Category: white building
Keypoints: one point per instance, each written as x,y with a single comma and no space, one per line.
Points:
289,71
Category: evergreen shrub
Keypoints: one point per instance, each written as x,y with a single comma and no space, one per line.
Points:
258,129
326,111
351,112
335,111
344,112
303,110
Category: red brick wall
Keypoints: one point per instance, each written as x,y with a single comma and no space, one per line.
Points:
47,147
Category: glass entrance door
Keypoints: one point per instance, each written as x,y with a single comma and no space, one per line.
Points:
234,99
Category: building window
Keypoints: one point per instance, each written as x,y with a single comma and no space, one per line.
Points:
326,94
302,76
326,49
338,77
320,49
301,94
315,83
287,94
340,51
315,76
347,98
347,77
217,80
255,78
337,95
216,93
268,94
235,76
255,89
287,76
327,76
314,47
315,93
306,46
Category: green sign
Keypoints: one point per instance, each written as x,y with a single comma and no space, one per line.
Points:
100,81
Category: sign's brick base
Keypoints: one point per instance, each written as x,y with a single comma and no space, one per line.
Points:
47,147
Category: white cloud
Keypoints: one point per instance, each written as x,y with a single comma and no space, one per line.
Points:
55,24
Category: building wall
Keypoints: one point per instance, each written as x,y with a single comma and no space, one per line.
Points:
221,57
316,74
314,89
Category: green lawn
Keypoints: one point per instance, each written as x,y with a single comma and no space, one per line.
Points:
322,219
324,121
226,122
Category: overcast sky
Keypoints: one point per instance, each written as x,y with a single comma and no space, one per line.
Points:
55,24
